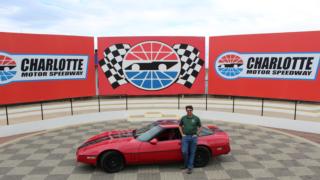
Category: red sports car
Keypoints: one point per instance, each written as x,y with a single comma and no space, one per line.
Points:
158,142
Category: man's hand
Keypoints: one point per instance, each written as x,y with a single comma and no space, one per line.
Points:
181,132
199,131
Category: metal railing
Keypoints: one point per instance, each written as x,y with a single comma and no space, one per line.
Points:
200,102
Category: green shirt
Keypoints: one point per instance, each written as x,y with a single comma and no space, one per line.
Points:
190,124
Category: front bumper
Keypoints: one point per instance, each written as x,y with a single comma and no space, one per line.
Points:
86,158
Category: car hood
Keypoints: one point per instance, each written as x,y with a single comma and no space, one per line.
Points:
115,136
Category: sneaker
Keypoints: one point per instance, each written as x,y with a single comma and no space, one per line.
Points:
189,171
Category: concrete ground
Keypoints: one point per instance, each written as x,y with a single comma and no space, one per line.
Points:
308,136
257,153
133,115
313,137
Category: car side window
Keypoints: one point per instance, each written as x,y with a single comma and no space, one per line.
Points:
169,134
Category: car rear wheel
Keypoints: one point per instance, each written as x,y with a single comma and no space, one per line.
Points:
202,156
112,161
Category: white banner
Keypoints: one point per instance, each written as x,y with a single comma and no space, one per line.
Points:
42,67
294,66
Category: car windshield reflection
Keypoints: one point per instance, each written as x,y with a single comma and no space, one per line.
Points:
147,135
138,132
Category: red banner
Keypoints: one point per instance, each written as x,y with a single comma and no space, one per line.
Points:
151,65
45,67
281,65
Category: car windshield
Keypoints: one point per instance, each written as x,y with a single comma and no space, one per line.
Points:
205,131
149,134
142,130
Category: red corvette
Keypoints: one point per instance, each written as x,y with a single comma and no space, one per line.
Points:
158,142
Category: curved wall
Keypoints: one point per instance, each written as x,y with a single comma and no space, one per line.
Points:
16,114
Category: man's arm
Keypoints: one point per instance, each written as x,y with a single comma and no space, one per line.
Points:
199,127
180,128
199,131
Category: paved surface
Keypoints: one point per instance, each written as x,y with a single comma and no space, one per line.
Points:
314,137
256,154
8,139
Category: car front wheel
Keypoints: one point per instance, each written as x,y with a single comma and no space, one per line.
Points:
112,161
202,157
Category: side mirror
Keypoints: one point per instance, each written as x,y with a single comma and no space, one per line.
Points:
154,141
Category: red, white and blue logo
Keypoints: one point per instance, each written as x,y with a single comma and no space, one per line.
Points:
151,65
229,65
7,69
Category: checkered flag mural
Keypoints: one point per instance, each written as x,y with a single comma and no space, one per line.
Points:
112,64
191,64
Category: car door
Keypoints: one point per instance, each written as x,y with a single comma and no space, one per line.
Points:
166,149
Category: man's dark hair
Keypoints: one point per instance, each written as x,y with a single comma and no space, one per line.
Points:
189,107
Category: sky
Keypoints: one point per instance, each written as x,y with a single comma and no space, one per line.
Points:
158,18
162,17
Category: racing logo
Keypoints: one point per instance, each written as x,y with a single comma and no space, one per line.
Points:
151,65
229,66
7,69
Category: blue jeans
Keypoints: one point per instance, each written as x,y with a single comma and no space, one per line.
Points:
188,147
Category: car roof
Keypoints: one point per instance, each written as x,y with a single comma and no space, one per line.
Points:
169,126
167,122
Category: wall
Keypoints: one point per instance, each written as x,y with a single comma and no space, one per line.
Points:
305,111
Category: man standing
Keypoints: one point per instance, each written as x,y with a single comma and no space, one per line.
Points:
190,126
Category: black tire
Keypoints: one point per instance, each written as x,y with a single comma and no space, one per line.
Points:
112,161
202,156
